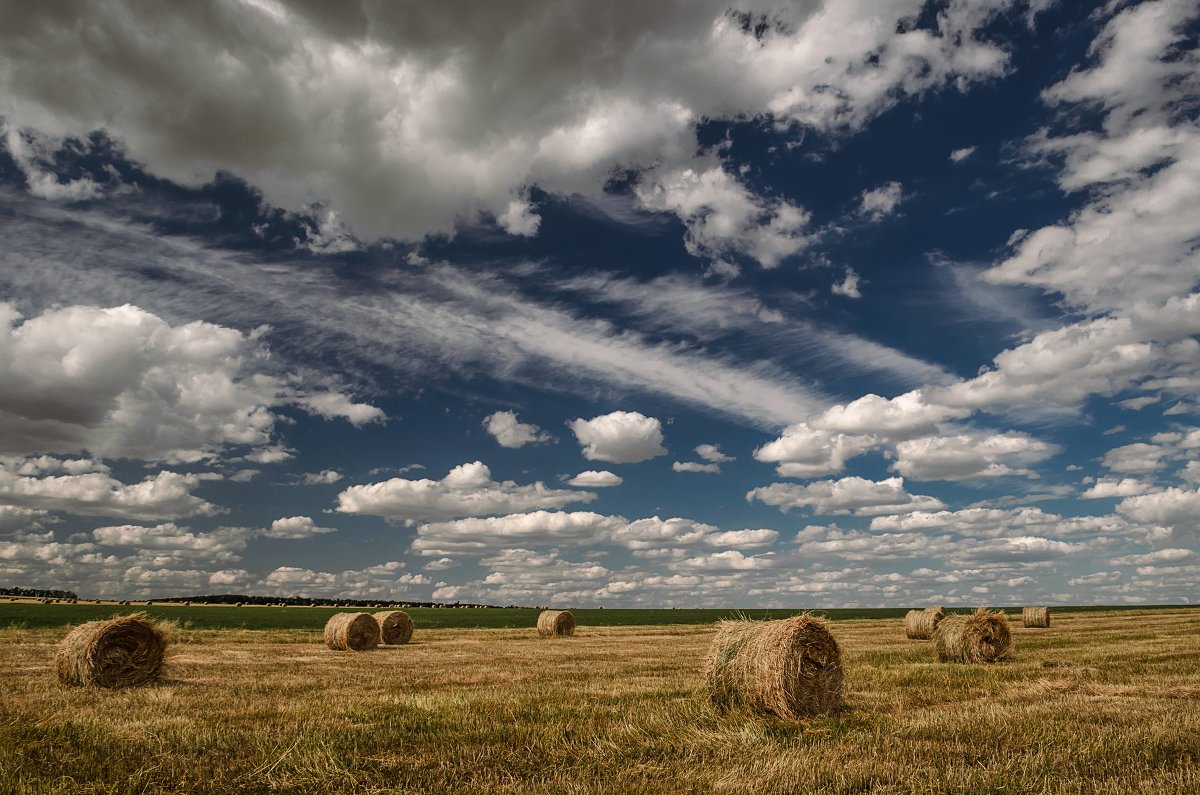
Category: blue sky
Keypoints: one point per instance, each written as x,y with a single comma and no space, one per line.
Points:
820,304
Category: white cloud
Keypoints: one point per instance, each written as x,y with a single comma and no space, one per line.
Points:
713,454
441,564
224,544
848,286
971,522
1137,457
723,217
332,405
696,467
959,155
468,490
882,201
596,479
536,528
510,432
804,452
122,382
729,560
296,527
33,155
383,581
167,495
902,417
454,113
1112,487
970,456
324,477
622,437
1172,506
852,495
1133,242
519,219
1171,555
14,518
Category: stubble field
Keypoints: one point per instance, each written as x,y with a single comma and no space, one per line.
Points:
1098,703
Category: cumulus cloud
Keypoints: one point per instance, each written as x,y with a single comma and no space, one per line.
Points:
970,456
454,114
224,544
1112,487
959,155
296,527
510,432
166,495
467,490
712,453
1173,506
880,202
537,527
1136,458
123,382
1133,242
695,466
851,495
324,477
334,405
805,452
385,581
622,437
902,417
596,479
849,286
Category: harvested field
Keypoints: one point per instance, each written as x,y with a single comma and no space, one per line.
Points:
1102,702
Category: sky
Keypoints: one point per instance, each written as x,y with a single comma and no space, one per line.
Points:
813,304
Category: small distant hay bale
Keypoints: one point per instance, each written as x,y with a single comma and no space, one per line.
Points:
121,652
791,669
556,623
920,624
1035,616
237,604
981,637
352,632
395,627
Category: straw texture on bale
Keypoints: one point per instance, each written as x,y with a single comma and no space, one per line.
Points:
981,637
352,632
1035,616
556,623
791,669
395,627
920,624
121,652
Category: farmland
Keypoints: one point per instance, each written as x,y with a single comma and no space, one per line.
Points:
1100,702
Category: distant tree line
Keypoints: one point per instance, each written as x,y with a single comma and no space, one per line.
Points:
38,593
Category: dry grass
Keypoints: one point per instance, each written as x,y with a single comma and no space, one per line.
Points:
122,652
556,623
790,669
617,710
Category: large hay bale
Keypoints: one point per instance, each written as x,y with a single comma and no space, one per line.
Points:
352,632
920,624
1035,616
981,637
121,652
553,623
395,627
790,669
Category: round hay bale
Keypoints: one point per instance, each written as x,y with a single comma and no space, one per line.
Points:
121,652
791,669
395,627
556,623
1035,616
920,624
352,632
981,637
